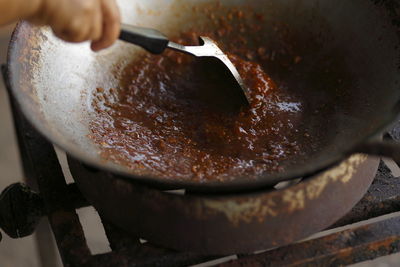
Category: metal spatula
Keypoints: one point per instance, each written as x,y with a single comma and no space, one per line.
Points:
155,42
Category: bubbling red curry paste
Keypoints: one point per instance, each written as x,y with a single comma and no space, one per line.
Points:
180,117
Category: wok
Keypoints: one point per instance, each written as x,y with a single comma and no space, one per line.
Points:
52,80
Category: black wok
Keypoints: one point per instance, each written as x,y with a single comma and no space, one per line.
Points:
53,80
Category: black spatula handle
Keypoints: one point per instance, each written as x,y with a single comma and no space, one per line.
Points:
152,40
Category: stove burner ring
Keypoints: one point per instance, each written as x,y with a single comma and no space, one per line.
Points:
231,223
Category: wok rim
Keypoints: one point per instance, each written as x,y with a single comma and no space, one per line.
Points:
230,186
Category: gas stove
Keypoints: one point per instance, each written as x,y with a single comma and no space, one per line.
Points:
21,209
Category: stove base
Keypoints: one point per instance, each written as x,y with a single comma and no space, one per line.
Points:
232,223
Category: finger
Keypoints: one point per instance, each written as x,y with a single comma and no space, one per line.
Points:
62,34
97,24
111,25
74,33
78,30
43,14
81,22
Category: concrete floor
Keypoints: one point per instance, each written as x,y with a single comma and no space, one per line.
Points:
23,252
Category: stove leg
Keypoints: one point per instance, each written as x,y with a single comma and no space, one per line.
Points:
44,239
64,221
46,247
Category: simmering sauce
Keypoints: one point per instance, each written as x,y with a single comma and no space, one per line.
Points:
180,117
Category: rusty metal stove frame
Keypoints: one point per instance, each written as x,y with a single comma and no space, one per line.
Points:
59,201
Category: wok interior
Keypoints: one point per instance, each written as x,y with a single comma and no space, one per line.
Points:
354,99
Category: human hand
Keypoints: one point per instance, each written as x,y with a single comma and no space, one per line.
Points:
75,21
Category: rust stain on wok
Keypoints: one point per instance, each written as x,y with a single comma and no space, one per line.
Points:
29,50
